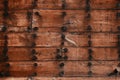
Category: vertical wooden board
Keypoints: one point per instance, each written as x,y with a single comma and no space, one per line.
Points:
103,4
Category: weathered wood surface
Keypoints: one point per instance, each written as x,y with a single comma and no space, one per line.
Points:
49,54
49,69
53,39
104,37
52,20
64,78
57,4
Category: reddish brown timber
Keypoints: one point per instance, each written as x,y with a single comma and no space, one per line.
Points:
51,68
63,78
46,68
57,4
51,20
49,54
52,39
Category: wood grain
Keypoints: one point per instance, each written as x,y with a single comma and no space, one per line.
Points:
71,68
49,54
52,21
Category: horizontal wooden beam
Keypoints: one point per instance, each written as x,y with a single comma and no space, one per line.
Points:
57,4
52,20
49,54
52,68
50,39
63,78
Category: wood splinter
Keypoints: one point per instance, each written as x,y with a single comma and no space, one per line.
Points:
70,41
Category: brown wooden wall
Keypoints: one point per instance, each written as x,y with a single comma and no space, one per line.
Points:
33,39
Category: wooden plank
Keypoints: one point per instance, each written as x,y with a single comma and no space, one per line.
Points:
63,78
97,67
71,68
50,39
101,20
1,4
25,54
52,20
43,39
17,5
46,68
57,4
103,4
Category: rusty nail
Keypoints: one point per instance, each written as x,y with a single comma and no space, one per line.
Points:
34,74
61,64
89,43
65,50
65,57
35,64
58,57
63,36
90,73
118,5
61,73
35,28
90,57
34,58
63,28
118,27
33,51
7,65
64,14
89,28
34,35
118,15
33,44
4,29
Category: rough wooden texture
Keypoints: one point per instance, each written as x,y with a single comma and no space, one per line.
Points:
48,68
57,4
51,39
51,20
64,78
47,16
49,54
